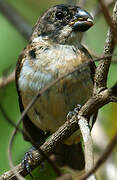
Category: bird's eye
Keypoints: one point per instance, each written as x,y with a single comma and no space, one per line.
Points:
59,15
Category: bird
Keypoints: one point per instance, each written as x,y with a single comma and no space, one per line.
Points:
55,49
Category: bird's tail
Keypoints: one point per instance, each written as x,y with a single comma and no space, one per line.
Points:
70,155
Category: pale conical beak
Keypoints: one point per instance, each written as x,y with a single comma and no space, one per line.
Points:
81,21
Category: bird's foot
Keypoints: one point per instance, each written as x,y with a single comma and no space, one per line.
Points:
74,112
28,161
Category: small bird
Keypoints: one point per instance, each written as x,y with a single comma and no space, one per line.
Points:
54,50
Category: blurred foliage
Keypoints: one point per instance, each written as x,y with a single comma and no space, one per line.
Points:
11,43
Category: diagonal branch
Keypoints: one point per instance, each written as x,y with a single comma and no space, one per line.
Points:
6,80
103,68
62,133
109,20
24,113
97,10
56,169
100,87
16,19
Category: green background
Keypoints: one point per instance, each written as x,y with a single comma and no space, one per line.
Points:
11,44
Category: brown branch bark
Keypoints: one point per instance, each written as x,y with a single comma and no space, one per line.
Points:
63,133
100,87
103,68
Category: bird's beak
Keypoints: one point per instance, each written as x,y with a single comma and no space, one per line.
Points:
81,21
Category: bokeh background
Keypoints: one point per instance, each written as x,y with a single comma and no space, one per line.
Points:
11,44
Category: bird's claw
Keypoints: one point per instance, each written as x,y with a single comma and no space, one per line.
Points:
28,161
74,112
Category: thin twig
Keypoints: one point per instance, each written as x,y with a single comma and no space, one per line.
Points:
38,95
101,79
100,85
97,10
35,98
109,20
98,133
102,159
88,145
79,68
33,143
24,113
11,77
6,80
16,19
63,132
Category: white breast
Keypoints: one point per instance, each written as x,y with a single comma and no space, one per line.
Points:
33,80
48,65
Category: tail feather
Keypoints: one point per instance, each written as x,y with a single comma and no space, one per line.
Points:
70,155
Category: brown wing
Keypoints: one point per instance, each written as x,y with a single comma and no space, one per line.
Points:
91,64
37,134
93,68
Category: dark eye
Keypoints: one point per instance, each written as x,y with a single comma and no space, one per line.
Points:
59,15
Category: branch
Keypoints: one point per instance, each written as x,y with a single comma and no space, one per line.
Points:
100,87
87,140
109,20
103,68
92,105
6,80
57,171
32,102
97,10
24,113
102,159
100,139
16,19
62,133
99,57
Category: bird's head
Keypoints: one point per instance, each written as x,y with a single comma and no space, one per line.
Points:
63,24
